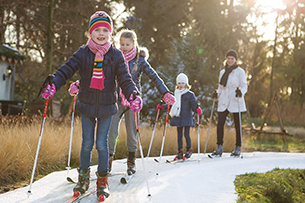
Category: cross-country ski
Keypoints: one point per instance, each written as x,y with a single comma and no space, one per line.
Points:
125,179
78,197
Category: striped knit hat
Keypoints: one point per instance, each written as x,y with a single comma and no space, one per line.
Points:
98,19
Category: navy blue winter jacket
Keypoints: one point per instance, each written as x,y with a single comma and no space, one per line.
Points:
144,67
188,104
93,102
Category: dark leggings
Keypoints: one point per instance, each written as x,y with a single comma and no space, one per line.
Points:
220,125
186,135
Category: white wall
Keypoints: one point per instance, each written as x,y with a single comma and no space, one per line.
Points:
5,85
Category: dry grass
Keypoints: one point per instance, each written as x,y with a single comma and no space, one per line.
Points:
18,145
19,139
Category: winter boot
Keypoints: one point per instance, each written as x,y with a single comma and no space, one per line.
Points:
236,151
102,190
218,151
188,152
111,156
131,165
83,182
179,155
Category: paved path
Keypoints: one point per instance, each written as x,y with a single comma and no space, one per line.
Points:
210,180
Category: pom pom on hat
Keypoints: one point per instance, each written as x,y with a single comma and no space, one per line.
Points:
232,52
98,19
182,78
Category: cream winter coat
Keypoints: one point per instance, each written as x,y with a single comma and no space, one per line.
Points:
226,95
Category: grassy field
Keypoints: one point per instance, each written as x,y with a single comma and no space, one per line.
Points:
19,138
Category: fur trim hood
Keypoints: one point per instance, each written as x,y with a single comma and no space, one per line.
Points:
143,52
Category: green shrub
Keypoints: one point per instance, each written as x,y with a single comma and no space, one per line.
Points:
278,185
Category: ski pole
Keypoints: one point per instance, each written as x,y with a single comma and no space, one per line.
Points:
39,143
206,143
240,128
141,151
153,134
164,133
198,137
71,136
49,80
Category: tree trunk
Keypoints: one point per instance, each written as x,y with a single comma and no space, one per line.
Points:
49,50
2,24
273,59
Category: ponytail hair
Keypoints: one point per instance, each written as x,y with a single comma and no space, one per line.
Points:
135,67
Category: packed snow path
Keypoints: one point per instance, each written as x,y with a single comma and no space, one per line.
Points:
210,180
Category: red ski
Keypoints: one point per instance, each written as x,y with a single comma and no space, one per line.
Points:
77,196
175,160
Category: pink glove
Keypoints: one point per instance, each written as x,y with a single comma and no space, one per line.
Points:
135,105
48,91
124,100
159,106
74,88
199,111
169,98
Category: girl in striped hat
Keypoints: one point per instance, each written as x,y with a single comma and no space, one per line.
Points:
101,67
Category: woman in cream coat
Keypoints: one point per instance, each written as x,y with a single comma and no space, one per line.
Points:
231,90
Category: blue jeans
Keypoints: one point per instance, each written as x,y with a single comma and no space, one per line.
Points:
186,135
88,128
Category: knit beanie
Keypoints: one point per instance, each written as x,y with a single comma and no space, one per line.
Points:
182,78
233,53
98,19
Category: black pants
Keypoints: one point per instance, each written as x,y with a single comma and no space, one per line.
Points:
220,125
186,135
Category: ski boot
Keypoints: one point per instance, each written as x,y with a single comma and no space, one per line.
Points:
179,156
236,152
131,165
218,151
83,182
102,190
111,156
188,153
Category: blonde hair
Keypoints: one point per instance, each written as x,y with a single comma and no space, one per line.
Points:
186,86
130,34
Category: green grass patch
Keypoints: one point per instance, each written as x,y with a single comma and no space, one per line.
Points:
273,142
278,185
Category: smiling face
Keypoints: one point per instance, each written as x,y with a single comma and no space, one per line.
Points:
126,44
231,60
101,35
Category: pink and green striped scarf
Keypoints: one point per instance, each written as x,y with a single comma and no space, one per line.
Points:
98,77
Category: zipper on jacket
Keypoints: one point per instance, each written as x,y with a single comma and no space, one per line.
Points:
97,103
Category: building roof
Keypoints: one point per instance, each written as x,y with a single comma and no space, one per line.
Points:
11,55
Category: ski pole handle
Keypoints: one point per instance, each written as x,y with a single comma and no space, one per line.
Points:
48,80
